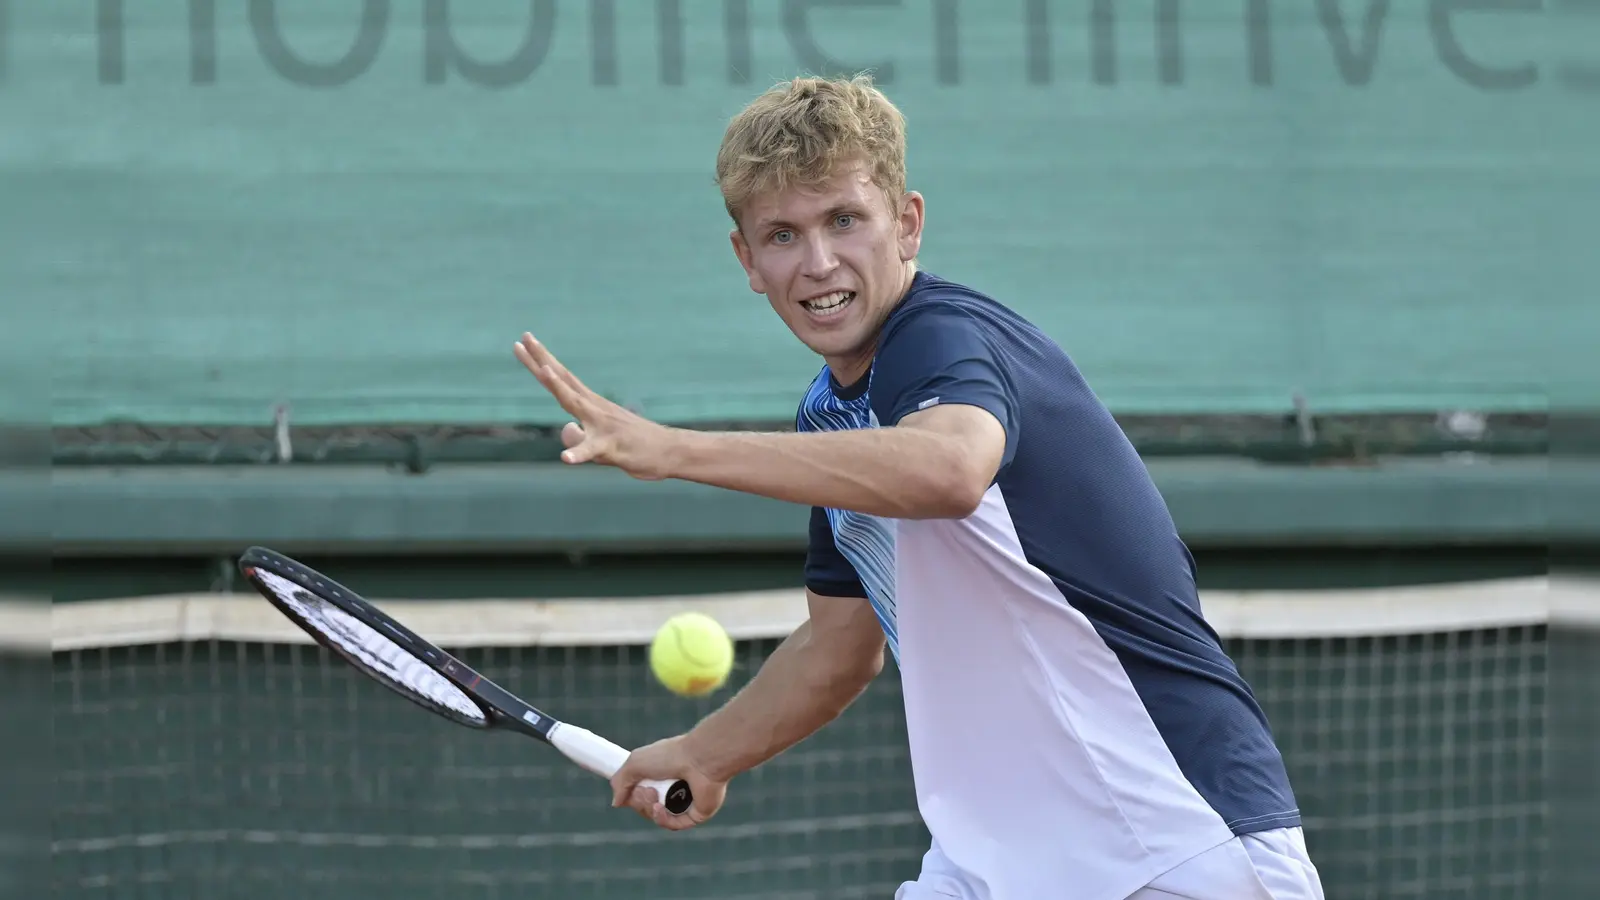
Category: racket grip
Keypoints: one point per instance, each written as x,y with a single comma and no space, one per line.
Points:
604,758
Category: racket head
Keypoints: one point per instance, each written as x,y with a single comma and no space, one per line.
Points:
362,635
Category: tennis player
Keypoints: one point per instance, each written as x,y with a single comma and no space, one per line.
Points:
1076,730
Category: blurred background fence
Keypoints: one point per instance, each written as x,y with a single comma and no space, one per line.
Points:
1329,262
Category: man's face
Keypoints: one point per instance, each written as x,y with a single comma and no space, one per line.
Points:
833,260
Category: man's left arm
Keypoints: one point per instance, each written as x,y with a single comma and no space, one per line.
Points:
950,423
935,463
947,411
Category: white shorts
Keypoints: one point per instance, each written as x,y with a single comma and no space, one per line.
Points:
1267,865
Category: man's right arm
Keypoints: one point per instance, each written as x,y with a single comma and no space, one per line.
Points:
818,671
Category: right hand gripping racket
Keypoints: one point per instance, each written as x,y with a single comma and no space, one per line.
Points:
368,639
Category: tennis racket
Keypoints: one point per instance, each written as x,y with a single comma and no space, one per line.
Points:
391,654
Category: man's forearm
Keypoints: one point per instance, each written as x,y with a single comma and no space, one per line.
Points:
902,473
799,689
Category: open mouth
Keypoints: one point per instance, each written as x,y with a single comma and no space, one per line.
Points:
829,304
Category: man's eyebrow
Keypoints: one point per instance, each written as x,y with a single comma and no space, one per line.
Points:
835,210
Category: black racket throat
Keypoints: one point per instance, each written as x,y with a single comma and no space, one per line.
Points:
503,707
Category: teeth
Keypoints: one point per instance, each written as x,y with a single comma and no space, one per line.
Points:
830,303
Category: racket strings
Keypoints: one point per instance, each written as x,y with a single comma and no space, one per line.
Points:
366,647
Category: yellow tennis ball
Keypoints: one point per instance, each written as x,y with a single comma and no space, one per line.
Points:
691,655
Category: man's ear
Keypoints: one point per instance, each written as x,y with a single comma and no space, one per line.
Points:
912,212
741,249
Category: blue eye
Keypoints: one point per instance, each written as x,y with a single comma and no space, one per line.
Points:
782,237
845,220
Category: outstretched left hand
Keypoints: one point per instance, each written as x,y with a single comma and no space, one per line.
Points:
604,433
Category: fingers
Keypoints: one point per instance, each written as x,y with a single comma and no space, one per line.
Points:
622,791
572,435
570,399
644,802
626,789
580,448
567,390
664,819
529,359
545,367
579,455
533,354
539,357
647,803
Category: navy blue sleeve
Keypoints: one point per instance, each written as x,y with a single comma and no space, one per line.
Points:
935,355
828,573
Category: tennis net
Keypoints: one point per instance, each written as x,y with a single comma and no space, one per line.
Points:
204,748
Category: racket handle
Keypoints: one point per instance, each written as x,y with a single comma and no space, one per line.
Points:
604,758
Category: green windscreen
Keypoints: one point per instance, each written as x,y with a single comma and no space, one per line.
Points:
223,207
258,771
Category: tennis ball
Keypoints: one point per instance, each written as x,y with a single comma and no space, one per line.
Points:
691,655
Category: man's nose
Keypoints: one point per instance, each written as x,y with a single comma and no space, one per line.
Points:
820,260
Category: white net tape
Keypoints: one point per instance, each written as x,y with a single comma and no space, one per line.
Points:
771,614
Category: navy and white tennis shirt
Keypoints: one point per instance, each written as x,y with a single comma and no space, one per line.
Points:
1073,719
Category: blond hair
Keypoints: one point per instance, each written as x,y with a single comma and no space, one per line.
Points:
800,132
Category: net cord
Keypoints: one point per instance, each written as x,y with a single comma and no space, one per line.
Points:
774,614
